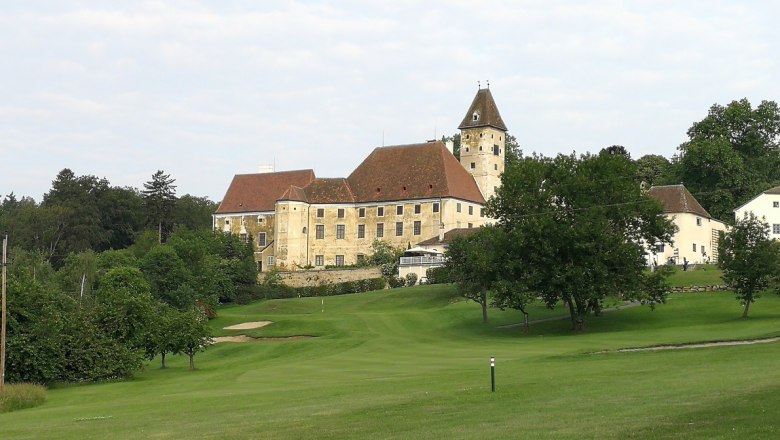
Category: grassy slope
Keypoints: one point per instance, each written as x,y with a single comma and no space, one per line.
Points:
411,363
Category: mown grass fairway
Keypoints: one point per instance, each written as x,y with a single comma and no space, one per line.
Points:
414,363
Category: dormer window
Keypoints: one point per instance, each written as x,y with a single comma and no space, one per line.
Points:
475,116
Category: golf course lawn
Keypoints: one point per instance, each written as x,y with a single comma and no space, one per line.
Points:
414,363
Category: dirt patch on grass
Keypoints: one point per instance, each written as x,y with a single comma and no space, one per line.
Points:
692,345
247,325
245,338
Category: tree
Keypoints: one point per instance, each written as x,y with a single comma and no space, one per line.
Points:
160,199
167,275
731,155
473,264
750,260
616,149
192,333
575,229
651,168
512,150
386,257
194,212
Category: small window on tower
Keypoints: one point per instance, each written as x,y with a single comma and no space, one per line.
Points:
495,166
473,165
475,116
496,150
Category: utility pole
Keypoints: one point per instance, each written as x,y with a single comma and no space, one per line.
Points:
2,329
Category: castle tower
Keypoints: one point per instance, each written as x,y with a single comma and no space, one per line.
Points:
482,142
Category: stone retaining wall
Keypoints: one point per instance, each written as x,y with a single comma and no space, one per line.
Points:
719,288
307,278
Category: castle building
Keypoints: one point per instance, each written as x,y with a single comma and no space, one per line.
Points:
401,194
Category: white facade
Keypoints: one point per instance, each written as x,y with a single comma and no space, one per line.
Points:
766,207
696,240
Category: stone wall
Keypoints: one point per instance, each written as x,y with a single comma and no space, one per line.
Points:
304,278
699,289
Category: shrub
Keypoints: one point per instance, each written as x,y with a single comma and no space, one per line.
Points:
437,275
20,396
396,282
411,279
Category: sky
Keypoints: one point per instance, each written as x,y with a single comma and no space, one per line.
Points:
204,90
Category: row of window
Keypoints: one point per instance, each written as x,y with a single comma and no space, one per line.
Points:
776,228
380,211
496,151
341,230
319,260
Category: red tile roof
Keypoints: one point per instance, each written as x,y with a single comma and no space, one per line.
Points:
487,111
329,191
677,199
259,192
407,172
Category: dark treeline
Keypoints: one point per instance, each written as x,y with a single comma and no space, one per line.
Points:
101,277
86,212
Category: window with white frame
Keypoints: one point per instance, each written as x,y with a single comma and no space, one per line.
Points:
698,221
399,229
361,233
361,212
270,261
340,213
471,210
399,210
319,232
436,207
694,247
776,204
380,211
417,208
380,230
261,239
457,207
339,260
319,260
417,227
340,232
320,212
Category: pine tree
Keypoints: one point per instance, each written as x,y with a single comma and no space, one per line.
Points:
160,199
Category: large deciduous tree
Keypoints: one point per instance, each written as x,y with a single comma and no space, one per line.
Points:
473,264
576,228
160,199
731,155
750,260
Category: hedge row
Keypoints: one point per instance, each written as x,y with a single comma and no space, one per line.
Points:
281,291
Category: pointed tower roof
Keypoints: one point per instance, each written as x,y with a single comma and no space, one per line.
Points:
483,112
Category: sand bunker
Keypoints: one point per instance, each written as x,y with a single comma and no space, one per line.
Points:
248,325
245,338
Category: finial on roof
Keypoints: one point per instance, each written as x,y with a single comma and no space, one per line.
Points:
488,83
479,85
